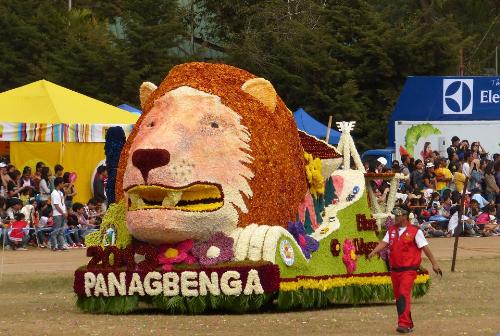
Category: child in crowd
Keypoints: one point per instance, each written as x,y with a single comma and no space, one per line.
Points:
18,234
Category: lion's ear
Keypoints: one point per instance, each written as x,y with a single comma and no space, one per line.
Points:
262,90
145,91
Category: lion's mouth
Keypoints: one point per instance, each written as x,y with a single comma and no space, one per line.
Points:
194,197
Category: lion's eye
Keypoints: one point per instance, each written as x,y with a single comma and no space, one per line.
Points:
151,124
214,124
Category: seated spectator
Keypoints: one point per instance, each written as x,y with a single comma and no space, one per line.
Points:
71,233
452,166
443,176
14,205
459,178
486,221
85,225
476,196
417,176
18,234
430,177
492,189
44,227
92,211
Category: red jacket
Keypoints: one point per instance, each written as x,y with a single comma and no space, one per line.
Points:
404,252
17,233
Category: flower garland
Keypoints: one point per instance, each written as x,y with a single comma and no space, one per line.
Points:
328,282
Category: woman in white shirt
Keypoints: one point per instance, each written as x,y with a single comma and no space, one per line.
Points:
44,184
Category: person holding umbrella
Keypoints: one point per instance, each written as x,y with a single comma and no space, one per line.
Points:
406,243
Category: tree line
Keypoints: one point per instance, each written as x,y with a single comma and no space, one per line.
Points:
345,58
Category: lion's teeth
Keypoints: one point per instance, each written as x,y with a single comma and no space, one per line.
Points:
172,198
134,200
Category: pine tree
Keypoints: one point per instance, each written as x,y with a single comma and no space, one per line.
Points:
308,223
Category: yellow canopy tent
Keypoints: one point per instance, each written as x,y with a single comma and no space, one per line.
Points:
45,122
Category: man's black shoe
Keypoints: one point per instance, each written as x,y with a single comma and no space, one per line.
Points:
404,330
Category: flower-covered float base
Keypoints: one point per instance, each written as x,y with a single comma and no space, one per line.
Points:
131,275
234,289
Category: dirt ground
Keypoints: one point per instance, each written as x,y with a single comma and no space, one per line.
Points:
36,298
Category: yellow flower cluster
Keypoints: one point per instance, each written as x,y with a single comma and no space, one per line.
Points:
326,284
314,178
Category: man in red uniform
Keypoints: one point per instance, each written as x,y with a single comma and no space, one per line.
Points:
406,243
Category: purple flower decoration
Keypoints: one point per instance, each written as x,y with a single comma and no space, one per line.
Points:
216,250
307,243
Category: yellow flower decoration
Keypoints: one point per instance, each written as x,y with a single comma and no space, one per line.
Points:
314,177
325,284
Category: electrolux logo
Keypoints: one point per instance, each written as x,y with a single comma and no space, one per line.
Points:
457,96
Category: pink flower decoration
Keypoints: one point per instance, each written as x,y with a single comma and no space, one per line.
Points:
216,250
170,254
349,257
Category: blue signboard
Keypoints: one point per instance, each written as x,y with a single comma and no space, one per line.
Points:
446,99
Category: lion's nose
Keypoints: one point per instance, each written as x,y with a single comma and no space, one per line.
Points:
148,159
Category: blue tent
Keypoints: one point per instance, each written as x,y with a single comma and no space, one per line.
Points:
311,126
129,108
446,99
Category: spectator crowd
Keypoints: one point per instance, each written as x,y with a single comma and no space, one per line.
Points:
434,186
37,208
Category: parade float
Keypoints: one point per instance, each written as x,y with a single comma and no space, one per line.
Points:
221,204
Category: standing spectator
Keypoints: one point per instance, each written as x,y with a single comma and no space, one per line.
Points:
453,149
60,214
99,191
492,188
13,189
466,168
454,160
430,177
405,163
4,176
459,178
58,172
443,176
477,148
27,183
476,175
395,167
45,184
462,149
417,176
426,153
69,189
37,176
